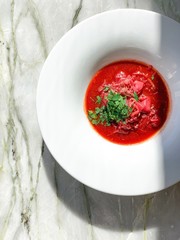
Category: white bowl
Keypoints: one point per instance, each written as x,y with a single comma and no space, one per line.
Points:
104,38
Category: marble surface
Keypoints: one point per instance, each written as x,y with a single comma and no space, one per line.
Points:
38,199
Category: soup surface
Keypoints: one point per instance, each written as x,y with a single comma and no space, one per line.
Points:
127,102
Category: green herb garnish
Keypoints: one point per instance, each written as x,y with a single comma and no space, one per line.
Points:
99,99
136,96
106,89
114,111
92,115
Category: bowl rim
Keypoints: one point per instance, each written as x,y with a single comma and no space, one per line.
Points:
40,80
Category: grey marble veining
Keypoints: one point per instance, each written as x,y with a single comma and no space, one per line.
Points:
38,199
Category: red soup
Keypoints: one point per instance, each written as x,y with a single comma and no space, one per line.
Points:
127,102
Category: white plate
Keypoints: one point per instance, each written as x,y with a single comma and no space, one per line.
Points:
107,37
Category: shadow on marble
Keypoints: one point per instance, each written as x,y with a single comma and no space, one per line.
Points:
117,213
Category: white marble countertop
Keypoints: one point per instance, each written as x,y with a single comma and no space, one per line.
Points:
38,199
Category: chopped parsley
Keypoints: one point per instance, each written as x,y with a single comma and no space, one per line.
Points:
99,99
106,88
115,110
136,96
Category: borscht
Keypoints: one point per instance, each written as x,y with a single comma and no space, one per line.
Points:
127,102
